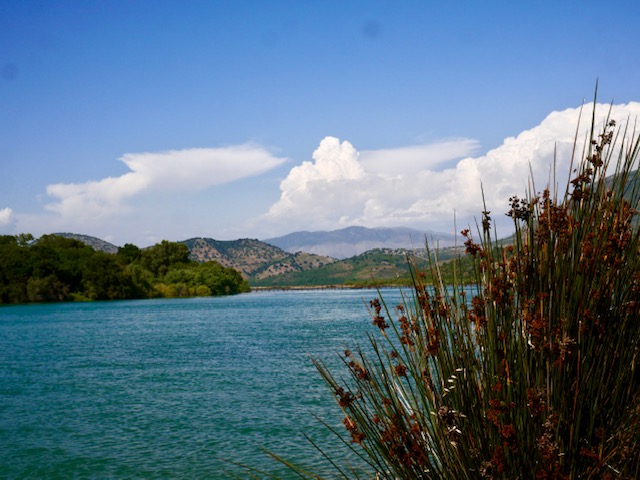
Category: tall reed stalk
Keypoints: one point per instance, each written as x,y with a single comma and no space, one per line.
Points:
530,372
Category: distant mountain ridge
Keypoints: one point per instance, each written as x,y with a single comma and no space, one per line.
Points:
352,241
263,263
93,242
254,259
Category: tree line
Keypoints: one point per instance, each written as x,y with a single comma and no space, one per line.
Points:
56,269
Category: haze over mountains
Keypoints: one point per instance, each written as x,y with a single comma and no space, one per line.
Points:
352,241
338,244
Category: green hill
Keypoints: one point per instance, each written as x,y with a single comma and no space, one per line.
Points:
374,267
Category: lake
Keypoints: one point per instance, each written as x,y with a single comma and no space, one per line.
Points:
171,388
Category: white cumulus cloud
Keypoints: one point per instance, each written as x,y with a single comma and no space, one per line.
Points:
425,186
343,187
314,185
170,171
7,219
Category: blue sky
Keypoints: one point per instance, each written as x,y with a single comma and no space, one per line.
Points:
147,120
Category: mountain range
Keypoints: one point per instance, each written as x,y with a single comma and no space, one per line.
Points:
352,241
292,259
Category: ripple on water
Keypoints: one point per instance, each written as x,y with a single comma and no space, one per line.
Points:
168,388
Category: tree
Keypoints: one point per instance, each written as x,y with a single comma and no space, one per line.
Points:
208,277
162,256
55,268
15,270
129,253
104,278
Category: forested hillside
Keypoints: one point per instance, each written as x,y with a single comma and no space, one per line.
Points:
54,268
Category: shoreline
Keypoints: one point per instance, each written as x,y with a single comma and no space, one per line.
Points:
324,287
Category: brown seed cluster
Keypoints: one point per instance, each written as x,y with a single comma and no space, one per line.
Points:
378,319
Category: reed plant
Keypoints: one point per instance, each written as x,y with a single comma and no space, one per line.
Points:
531,371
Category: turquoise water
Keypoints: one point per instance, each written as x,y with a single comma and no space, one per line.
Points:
170,388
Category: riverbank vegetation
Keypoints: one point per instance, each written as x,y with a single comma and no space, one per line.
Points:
532,371
53,268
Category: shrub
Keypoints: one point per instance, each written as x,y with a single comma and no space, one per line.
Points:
529,372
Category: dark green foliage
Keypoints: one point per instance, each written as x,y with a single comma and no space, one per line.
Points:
14,270
208,278
104,278
129,253
56,268
163,256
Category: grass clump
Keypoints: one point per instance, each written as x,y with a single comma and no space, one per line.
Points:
532,370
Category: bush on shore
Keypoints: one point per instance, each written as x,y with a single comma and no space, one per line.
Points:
533,370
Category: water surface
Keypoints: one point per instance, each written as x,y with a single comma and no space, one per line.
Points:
170,388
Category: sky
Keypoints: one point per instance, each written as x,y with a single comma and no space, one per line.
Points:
138,121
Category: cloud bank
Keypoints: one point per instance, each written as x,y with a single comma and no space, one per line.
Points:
172,194
426,186
172,171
